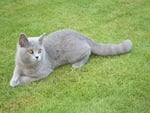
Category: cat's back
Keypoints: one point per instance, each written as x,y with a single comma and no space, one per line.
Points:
64,35
60,38
64,41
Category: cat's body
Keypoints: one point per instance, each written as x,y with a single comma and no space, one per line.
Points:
37,57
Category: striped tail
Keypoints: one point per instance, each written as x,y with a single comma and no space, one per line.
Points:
110,49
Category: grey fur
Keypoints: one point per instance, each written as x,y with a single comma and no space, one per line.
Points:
58,48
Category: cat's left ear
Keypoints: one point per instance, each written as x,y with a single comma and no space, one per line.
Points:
41,38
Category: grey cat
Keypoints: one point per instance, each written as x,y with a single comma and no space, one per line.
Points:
37,57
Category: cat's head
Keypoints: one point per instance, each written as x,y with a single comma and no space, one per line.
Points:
31,50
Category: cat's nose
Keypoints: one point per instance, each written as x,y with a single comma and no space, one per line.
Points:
36,57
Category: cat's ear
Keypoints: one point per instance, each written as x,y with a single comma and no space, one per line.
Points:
41,38
23,41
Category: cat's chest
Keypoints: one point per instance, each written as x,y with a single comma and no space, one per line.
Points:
40,70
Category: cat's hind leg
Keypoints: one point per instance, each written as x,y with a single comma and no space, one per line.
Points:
82,61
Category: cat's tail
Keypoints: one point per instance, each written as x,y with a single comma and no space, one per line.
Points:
110,49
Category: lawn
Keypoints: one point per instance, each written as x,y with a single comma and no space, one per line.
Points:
118,84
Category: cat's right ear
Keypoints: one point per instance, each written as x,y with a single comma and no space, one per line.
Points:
23,41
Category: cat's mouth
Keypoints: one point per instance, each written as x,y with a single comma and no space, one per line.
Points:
34,60
37,59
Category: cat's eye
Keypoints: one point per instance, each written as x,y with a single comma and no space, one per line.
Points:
40,50
30,51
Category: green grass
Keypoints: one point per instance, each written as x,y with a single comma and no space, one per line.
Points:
119,84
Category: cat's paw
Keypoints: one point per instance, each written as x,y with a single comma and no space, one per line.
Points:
14,83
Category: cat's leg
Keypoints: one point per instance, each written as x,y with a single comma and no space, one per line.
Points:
19,79
28,79
82,61
16,77
24,80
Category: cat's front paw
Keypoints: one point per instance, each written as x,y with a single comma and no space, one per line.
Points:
14,83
